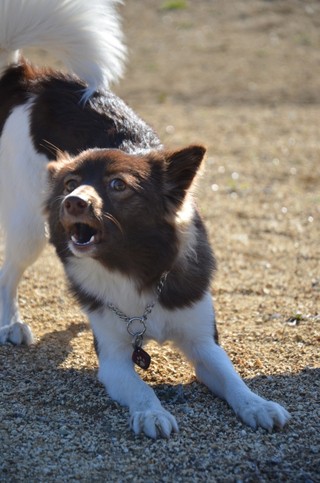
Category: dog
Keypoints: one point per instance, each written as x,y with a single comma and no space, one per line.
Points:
119,206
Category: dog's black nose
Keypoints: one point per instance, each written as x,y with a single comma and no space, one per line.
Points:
75,205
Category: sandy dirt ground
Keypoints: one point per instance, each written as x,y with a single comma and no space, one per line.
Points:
243,78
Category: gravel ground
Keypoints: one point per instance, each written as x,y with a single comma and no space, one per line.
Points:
243,78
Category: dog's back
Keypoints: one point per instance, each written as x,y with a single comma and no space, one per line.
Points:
61,121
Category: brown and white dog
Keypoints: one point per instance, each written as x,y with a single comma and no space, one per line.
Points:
119,207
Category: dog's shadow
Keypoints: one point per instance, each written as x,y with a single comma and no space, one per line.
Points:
40,379
57,344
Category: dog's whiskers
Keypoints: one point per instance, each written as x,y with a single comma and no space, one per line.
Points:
110,217
52,148
58,199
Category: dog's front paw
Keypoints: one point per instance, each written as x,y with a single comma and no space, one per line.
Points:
17,334
260,412
154,423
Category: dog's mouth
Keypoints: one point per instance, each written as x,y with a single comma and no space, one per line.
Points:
84,236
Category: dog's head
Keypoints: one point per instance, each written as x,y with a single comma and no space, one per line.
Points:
126,211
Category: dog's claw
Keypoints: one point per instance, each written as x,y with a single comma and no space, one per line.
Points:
154,423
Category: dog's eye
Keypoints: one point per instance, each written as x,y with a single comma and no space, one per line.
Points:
71,184
117,184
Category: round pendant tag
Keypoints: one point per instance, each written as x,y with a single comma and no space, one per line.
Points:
136,326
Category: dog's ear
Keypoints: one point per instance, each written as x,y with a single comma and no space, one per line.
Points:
181,168
54,167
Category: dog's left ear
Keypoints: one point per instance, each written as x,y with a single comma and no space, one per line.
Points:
181,168
54,167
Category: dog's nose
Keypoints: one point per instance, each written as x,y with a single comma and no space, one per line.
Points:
75,205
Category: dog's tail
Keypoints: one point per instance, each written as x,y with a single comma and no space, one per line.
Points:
84,34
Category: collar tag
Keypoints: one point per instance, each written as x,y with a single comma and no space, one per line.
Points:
141,358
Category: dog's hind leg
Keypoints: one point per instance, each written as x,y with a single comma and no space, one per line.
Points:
24,242
21,191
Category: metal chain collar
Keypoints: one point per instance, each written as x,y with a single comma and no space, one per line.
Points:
138,334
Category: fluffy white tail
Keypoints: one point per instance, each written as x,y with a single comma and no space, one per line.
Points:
84,34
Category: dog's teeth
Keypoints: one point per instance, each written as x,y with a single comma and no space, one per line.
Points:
75,240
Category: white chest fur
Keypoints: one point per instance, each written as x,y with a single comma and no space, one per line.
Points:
112,287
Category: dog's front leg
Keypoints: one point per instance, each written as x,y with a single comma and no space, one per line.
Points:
214,368
123,384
